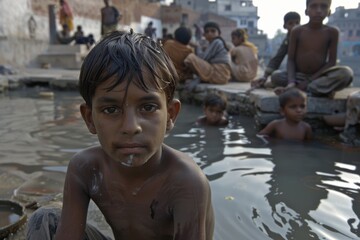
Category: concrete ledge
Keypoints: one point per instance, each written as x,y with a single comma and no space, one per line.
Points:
263,104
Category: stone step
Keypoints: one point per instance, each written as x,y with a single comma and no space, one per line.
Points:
65,49
61,60
63,56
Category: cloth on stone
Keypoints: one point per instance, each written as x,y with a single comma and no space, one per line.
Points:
44,222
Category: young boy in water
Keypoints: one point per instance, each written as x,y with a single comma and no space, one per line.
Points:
291,19
312,56
144,188
291,127
214,111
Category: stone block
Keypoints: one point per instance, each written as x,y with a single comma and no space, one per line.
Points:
61,60
68,49
325,105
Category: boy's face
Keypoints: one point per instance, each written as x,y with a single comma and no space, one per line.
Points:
290,24
295,109
236,40
131,131
318,10
213,114
210,33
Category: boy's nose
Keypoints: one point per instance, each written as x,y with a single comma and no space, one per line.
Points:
130,123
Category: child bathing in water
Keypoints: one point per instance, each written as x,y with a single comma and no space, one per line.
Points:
291,127
214,111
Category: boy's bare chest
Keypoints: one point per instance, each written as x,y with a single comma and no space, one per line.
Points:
313,41
139,210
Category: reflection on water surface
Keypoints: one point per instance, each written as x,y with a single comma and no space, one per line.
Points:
260,191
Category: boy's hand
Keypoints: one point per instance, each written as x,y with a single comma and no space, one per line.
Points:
258,83
280,90
302,85
290,85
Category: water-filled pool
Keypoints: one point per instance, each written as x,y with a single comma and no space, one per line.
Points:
260,191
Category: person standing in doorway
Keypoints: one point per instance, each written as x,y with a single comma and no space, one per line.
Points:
110,16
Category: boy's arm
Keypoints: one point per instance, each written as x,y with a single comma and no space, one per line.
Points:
75,204
268,130
192,209
291,65
308,133
332,52
273,64
276,61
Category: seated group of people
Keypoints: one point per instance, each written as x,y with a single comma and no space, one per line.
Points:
311,59
311,71
212,63
64,36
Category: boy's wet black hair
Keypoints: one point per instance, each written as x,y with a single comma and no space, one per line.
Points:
291,16
215,99
212,25
292,93
308,1
127,57
183,35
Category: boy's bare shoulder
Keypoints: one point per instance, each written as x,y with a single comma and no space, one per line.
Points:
88,157
305,124
182,166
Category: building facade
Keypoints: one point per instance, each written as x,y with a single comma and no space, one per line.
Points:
243,12
348,22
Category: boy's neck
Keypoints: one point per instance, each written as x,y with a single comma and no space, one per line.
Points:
315,25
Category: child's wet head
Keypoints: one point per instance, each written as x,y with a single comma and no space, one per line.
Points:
127,57
289,95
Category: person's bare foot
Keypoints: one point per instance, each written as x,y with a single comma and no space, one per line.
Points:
279,90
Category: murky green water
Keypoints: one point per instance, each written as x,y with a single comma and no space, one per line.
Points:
260,191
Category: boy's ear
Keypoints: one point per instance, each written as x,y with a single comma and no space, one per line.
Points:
86,114
282,112
173,110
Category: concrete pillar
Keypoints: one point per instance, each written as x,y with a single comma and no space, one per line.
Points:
52,23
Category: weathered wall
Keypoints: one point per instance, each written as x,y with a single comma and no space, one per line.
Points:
24,24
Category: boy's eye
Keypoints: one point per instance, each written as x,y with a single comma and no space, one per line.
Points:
110,110
149,108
